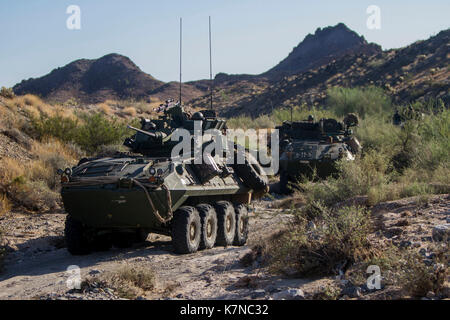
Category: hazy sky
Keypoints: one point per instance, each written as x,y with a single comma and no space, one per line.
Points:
249,36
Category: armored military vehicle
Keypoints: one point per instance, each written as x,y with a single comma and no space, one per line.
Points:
311,147
120,200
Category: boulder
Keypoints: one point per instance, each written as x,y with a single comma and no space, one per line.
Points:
441,232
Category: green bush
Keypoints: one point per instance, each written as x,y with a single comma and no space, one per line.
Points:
362,101
89,130
58,126
98,130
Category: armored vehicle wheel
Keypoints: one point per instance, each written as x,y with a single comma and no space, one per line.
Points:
208,219
76,237
284,181
252,174
226,223
102,242
240,238
186,230
123,240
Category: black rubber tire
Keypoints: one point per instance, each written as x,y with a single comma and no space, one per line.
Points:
241,233
186,230
284,183
76,238
123,240
208,218
226,223
252,174
102,243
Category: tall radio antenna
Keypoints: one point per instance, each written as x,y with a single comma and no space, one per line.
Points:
181,35
210,66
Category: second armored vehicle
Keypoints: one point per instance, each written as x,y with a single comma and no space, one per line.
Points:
311,147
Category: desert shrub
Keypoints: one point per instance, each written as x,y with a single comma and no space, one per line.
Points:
105,108
7,93
406,270
130,111
418,278
434,148
354,178
5,204
128,282
99,130
19,137
57,126
379,134
34,183
362,101
88,130
339,236
35,195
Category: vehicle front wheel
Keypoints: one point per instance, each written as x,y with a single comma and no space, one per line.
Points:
186,230
76,237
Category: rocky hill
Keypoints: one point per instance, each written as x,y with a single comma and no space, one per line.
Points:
320,48
416,72
110,77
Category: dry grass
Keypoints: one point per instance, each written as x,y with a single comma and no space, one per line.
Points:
34,184
128,282
303,250
129,111
105,108
5,205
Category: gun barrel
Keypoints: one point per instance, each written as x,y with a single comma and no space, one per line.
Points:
150,134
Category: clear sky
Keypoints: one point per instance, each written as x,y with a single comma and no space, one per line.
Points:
249,36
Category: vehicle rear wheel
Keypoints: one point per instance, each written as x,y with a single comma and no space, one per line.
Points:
284,183
226,223
76,237
186,230
208,218
241,235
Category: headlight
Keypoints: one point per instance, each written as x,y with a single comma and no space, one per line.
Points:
152,171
